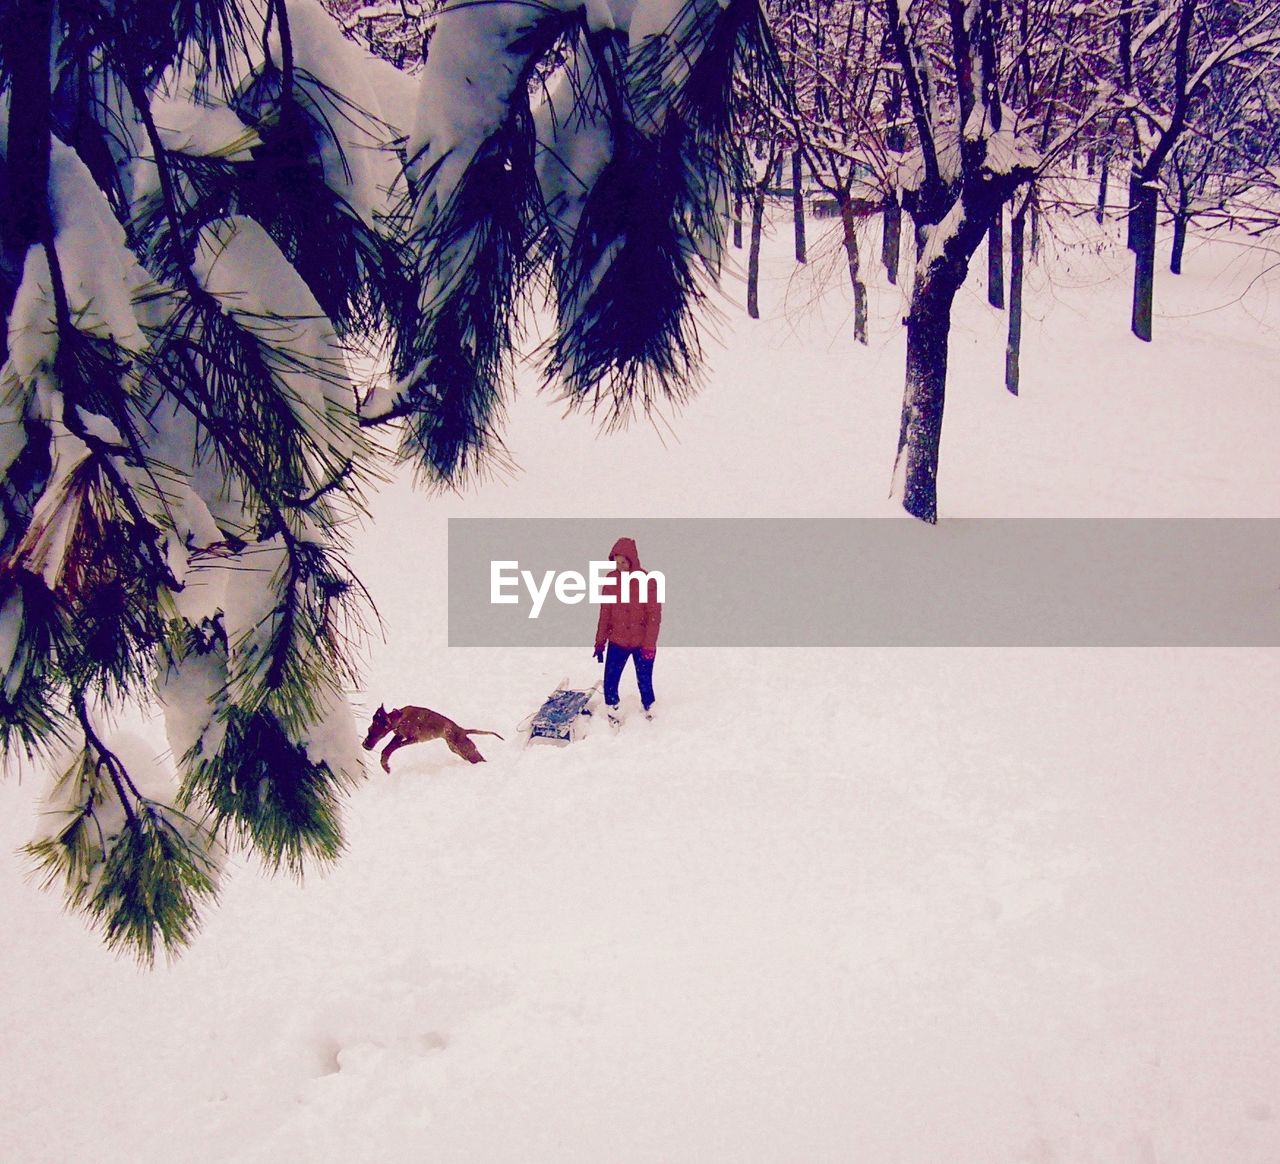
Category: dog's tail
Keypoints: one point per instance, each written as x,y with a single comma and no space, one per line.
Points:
480,732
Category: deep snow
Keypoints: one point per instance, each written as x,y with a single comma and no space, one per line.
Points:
862,905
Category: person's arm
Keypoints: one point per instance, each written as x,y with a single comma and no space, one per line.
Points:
602,627
652,624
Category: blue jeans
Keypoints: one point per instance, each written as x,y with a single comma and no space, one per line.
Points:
615,659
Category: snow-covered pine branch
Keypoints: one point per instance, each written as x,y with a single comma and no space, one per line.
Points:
205,215
180,448
640,137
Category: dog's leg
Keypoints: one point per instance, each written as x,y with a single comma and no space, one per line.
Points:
396,742
461,746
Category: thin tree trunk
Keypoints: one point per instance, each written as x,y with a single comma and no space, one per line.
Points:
1143,227
1181,219
1017,260
797,205
1179,241
995,259
891,238
753,258
1033,222
849,224
1103,173
737,218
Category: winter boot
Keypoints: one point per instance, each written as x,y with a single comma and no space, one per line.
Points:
614,711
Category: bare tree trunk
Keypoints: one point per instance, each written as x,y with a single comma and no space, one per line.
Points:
1135,201
920,437
891,238
737,218
896,139
1017,262
797,204
1103,173
1179,241
849,224
1181,218
1142,222
753,256
995,260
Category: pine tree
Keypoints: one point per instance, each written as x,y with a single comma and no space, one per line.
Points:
203,215
603,159
190,245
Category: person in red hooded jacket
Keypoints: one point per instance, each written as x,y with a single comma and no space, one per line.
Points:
627,629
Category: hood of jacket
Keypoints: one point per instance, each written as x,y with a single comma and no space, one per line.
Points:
627,548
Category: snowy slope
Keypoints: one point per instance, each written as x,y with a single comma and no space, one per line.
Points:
889,905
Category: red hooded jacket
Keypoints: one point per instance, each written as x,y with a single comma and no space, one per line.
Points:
634,622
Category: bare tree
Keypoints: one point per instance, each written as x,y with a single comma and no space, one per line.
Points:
766,155
1169,55
835,114
1228,152
1054,63
982,134
946,56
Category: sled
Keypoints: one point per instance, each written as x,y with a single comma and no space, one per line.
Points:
563,715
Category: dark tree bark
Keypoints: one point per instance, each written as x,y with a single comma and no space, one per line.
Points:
891,239
737,218
1142,222
1103,173
1181,219
797,205
928,334
25,223
1179,242
848,222
1142,181
995,259
1125,29
24,177
1017,262
753,256
1135,209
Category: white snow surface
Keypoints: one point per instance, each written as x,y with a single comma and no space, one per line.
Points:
833,905
99,272
200,129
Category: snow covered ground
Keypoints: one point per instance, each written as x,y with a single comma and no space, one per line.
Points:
854,905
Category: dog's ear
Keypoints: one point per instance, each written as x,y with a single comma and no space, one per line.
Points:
381,710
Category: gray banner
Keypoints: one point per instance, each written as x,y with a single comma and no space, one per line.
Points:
785,582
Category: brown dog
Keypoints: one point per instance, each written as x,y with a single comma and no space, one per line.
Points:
412,725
